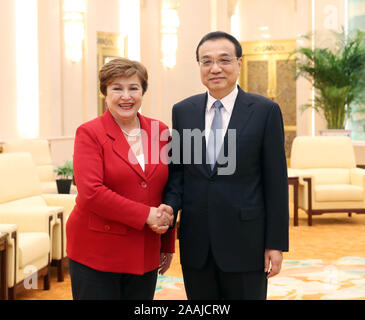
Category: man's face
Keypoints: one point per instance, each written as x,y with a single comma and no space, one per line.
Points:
219,66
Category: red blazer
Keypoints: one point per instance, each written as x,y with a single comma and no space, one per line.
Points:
107,229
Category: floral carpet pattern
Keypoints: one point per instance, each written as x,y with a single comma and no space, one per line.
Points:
170,288
343,279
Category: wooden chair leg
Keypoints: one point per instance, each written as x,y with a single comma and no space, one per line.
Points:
350,214
309,219
46,280
11,293
60,277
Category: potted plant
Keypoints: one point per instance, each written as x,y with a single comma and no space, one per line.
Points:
64,177
337,74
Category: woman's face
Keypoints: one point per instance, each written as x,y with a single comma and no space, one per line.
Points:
124,98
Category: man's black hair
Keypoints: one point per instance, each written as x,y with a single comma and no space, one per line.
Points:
220,35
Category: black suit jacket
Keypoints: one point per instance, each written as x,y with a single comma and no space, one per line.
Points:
239,215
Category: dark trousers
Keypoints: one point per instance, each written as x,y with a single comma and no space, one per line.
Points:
91,284
210,283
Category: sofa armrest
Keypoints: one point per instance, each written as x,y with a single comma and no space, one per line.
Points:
28,218
301,174
12,231
306,191
294,172
57,210
305,178
357,177
67,201
8,228
58,213
59,235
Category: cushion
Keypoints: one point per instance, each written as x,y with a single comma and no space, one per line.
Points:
32,246
49,187
30,201
329,175
322,152
38,148
19,178
338,192
46,173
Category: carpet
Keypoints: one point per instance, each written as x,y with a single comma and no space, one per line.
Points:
325,261
299,280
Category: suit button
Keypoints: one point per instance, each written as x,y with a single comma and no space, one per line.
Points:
107,227
143,185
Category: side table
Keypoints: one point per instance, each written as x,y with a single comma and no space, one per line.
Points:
294,181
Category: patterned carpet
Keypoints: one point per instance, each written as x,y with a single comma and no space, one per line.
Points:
299,280
317,280
325,261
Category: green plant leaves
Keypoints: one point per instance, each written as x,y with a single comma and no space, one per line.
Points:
66,171
337,74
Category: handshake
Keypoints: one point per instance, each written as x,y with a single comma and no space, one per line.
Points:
161,218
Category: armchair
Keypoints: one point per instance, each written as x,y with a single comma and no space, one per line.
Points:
21,201
28,254
329,180
40,151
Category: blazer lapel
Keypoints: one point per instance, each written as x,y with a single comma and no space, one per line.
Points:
201,103
241,113
120,144
150,144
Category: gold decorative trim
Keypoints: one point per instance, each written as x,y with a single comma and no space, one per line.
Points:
290,128
268,47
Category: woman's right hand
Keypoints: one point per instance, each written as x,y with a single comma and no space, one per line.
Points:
160,218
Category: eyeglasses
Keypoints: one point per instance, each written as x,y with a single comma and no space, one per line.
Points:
221,62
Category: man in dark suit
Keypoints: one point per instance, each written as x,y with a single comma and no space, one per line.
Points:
234,220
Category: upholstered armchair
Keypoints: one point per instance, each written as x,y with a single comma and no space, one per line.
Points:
21,196
329,180
29,245
40,151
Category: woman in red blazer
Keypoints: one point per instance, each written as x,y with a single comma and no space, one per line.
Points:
118,234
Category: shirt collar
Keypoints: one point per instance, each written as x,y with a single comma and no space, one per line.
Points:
227,101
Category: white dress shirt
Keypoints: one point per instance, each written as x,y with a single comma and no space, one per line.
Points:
141,161
228,104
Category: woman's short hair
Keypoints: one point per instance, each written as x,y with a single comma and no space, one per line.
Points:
122,67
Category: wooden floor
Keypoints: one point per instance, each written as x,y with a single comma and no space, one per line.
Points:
331,237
